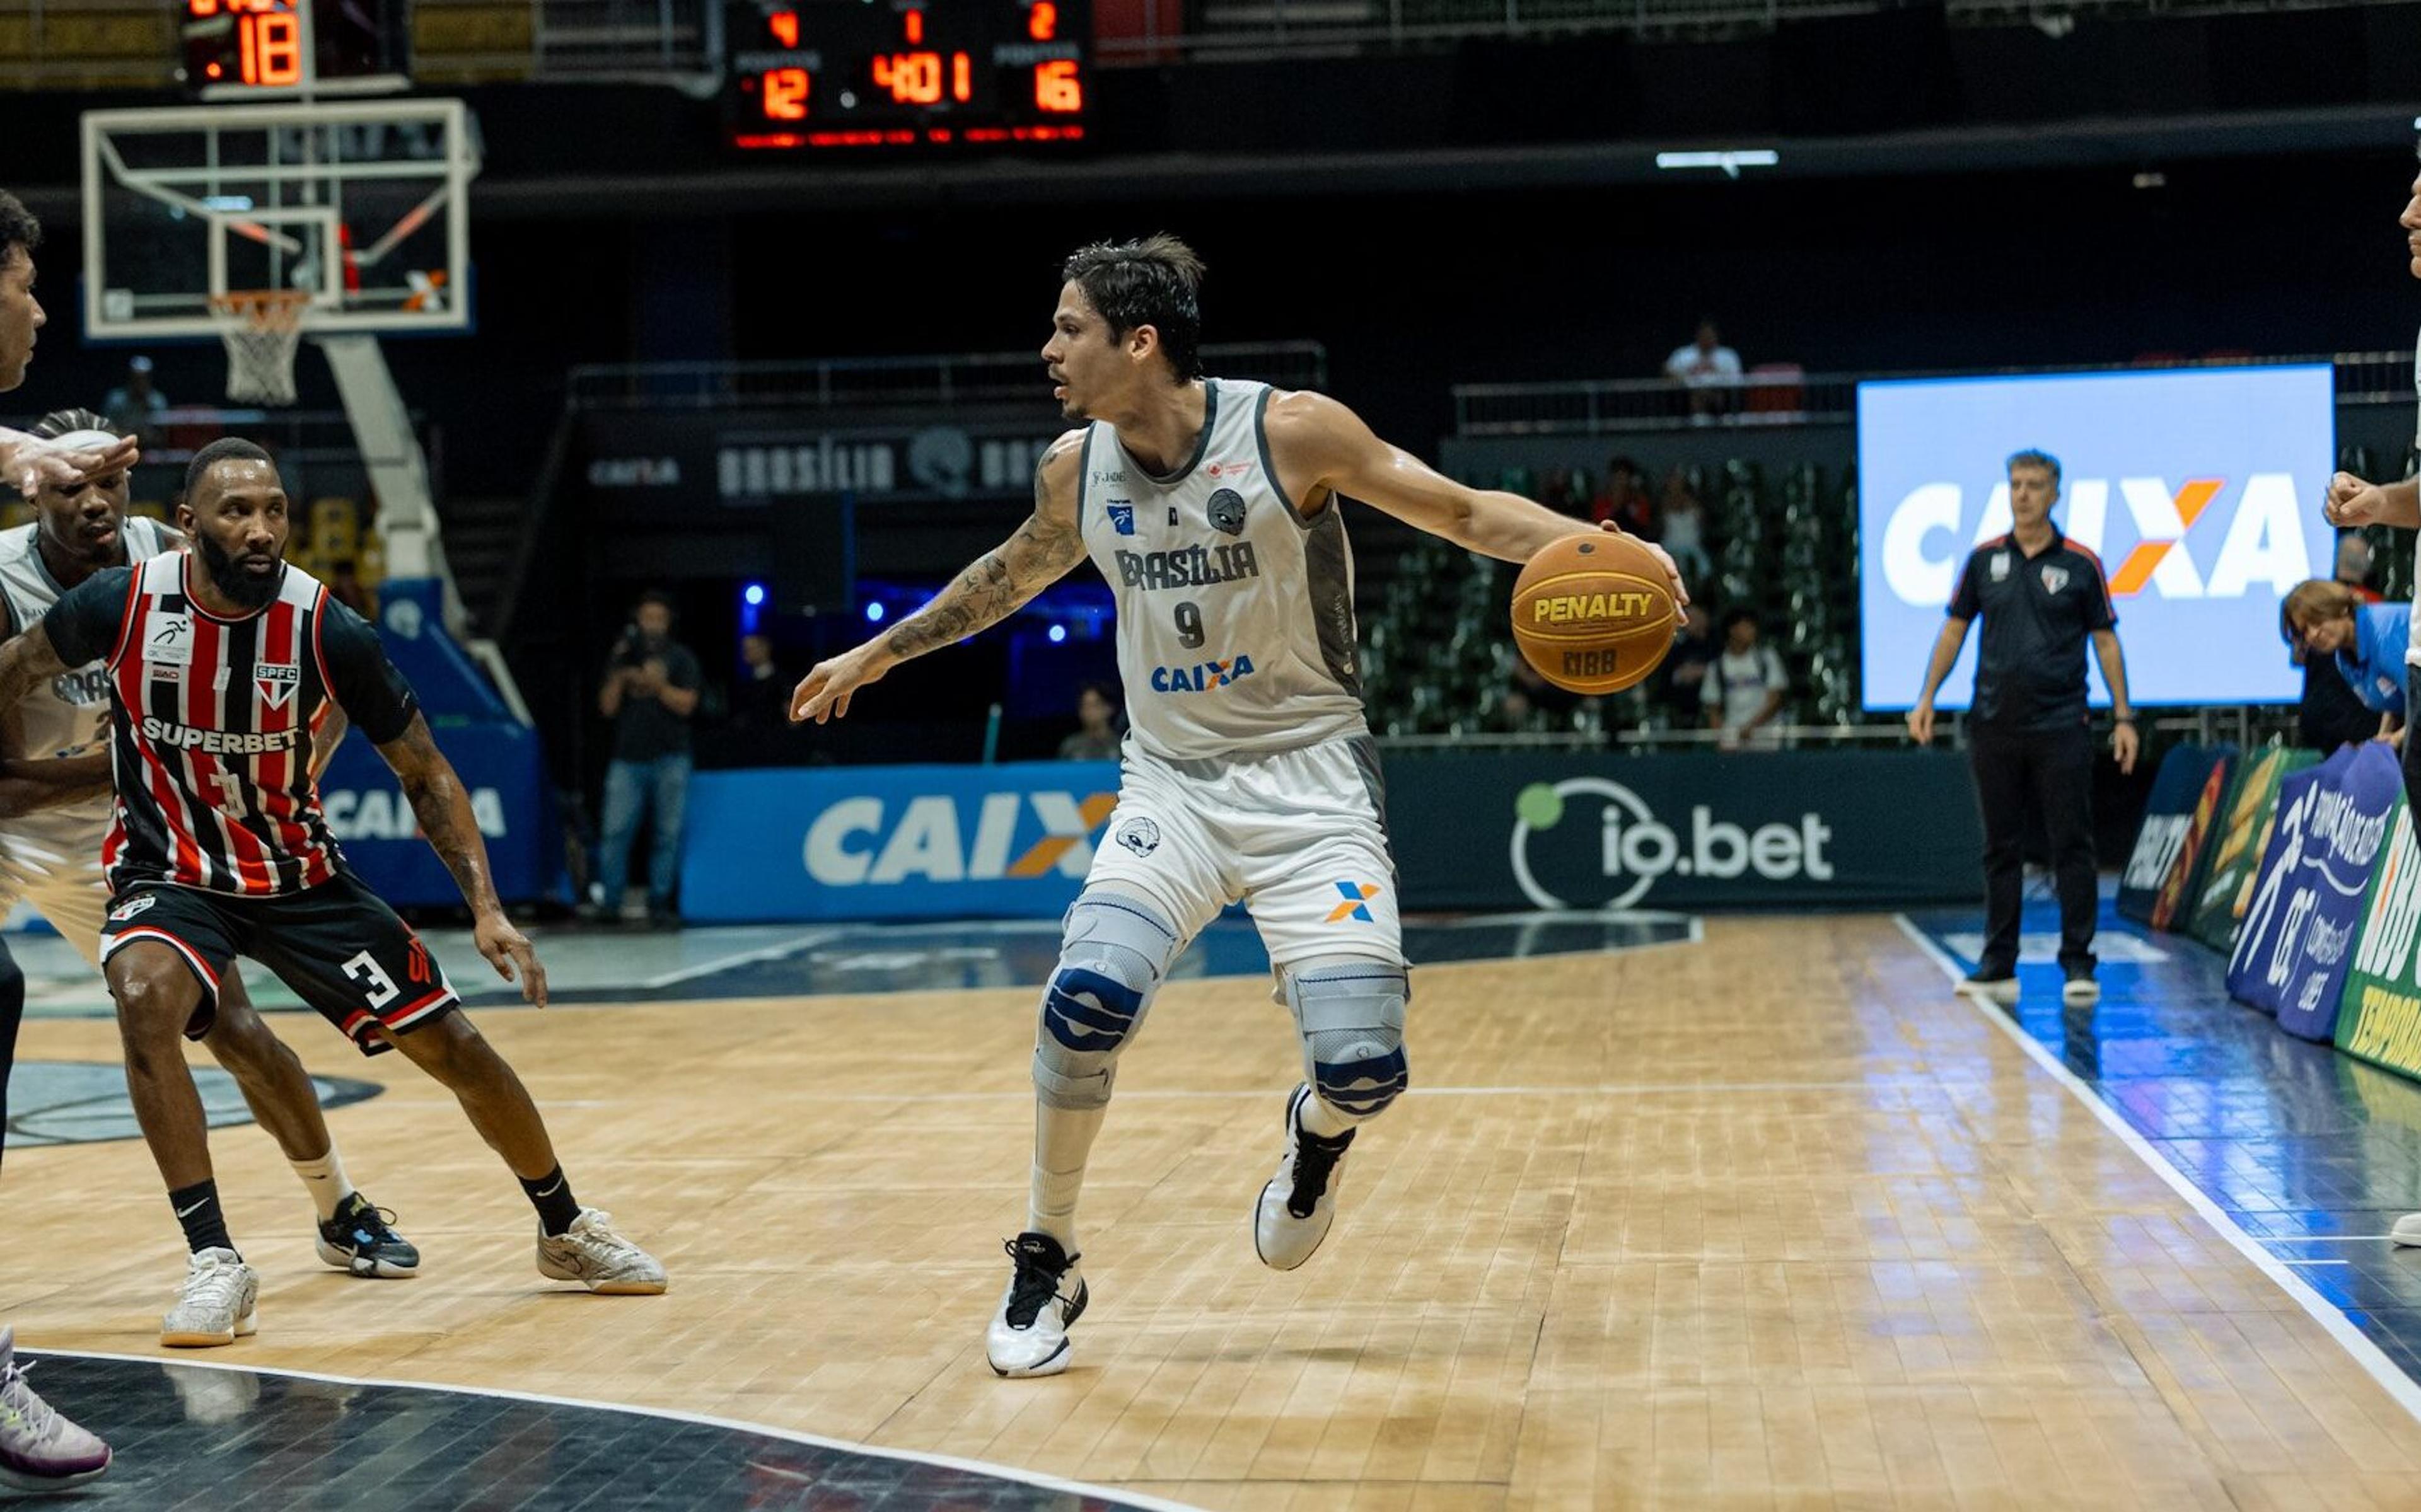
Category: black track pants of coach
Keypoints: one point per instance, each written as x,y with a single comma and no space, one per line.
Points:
2050,771
12,1010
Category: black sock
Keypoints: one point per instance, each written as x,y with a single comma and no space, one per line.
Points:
198,1207
550,1195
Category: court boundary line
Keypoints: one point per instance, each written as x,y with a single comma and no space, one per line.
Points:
1039,1479
2401,1388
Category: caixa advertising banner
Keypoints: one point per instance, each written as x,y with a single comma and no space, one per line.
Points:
2298,937
1592,833
2196,488
1009,841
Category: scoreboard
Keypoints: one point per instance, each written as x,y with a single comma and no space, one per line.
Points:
273,49
908,73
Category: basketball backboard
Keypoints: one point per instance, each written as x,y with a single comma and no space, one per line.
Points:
363,205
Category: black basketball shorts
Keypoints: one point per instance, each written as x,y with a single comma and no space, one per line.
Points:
338,945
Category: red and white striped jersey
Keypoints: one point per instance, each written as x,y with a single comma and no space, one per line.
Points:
212,722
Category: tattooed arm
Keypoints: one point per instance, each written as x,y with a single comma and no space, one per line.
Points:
442,805
1000,583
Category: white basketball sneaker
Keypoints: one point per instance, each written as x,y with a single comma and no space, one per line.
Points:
1300,1202
39,1450
2407,1230
592,1254
1030,1333
220,1302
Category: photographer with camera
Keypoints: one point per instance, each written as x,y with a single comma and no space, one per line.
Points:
650,691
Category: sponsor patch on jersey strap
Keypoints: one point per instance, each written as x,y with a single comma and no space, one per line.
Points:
220,742
1188,566
167,639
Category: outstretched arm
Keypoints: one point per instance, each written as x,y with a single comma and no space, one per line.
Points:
1036,554
1322,447
27,463
442,805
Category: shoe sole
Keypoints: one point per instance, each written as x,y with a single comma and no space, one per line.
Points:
38,1485
2077,995
1056,1362
2006,995
352,1265
609,1288
1301,1093
244,1327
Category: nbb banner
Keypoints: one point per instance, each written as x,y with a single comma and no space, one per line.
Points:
893,842
2378,1018
2168,815
2195,487
2298,939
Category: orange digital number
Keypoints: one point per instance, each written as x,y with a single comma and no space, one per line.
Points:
204,7
1057,88
785,94
962,78
273,49
1042,22
786,27
917,28
912,78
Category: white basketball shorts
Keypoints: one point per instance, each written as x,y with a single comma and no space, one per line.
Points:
1299,835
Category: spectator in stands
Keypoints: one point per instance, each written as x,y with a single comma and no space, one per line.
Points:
1624,499
1681,524
760,698
1743,687
1559,491
1097,737
2366,640
1686,665
134,407
1710,370
2354,565
650,691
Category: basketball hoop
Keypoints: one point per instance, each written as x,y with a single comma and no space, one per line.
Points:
262,329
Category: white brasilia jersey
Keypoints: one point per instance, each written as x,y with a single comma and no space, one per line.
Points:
69,715
1236,631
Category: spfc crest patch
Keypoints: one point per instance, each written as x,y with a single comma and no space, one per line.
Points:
2055,578
278,682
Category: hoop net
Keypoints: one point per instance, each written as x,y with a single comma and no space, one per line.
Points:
262,329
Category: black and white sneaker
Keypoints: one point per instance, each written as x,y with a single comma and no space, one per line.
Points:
2079,989
1999,986
361,1240
1299,1204
1046,1293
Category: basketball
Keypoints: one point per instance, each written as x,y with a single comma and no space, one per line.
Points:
1594,614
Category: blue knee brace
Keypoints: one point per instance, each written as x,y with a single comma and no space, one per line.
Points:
1350,1012
1112,959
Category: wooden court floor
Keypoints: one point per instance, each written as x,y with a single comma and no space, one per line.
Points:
1766,1221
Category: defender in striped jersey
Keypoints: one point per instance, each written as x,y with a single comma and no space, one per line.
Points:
222,661
50,858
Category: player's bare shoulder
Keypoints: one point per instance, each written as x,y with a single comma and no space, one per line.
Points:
1311,437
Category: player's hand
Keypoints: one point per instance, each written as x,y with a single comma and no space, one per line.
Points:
508,950
824,693
1920,723
1672,568
2353,503
2123,745
31,464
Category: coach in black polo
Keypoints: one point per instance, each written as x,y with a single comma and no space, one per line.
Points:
2040,595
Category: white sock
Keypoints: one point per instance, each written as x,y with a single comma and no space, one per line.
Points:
1318,1117
326,1180
1063,1142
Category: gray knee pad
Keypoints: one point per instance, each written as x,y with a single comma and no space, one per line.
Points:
1351,1011
1112,959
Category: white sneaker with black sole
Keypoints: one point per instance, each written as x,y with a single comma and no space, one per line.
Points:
1298,1206
1046,1295
220,1303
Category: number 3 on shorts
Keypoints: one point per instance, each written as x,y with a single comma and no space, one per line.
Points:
381,987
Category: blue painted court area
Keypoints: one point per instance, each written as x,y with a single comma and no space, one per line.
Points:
2311,1153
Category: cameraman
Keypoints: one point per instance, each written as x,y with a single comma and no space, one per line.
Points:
650,691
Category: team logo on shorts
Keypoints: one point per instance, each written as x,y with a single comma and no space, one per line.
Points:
1226,511
1356,906
1121,518
1140,836
133,905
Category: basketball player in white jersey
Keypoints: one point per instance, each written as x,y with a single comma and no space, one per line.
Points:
2353,503
1213,509
52,858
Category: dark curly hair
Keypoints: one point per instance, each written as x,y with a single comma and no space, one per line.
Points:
1155,282
19,230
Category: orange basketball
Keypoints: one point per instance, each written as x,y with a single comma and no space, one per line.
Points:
1594,614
